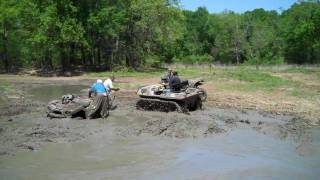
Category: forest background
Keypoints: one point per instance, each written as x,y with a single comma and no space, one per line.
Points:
117,35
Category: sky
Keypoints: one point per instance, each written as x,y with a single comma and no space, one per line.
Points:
239,6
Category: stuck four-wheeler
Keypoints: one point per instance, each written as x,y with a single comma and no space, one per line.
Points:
68,106
156,97
80,106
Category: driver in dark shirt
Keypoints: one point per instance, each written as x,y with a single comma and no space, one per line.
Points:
175,82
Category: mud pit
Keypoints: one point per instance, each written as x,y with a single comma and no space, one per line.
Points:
213,143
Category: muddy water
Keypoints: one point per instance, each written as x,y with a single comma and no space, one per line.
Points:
131,144
48,93
241,153
2,102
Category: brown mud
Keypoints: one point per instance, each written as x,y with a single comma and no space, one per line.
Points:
24,126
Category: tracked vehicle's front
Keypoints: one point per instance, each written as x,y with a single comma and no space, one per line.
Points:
157,98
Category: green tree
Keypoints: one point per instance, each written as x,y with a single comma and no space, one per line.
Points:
264,44
8,16
302,32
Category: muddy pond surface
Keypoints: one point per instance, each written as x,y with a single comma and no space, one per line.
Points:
51,92
238,154
210,144
2,102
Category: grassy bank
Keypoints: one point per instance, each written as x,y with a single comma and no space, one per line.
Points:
293,89
147,73
292,80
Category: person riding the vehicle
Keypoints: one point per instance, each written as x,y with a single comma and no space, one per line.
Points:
98,89
168,76
175,82
166,79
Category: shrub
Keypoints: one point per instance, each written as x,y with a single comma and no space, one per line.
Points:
196,59
153,61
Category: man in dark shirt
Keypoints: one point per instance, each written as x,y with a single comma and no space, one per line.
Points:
166,78
175,82
168,75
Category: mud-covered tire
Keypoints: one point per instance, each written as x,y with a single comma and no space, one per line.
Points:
55,115
203,95
199,104
158,105
196,104
72,112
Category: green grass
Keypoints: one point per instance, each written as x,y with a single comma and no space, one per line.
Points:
250,79
193,72
128,73
254,80
303,70
6,87
302,90
183,72
297,93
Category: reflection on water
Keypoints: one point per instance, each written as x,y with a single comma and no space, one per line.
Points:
248,154
48,93
241,153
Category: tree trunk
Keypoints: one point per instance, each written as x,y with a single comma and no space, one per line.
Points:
5,46
99,55
71,54
63,58
48,60
83,57
237,54
237,43
114,52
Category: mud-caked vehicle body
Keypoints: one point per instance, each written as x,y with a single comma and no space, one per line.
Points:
157,98
68,106
80,106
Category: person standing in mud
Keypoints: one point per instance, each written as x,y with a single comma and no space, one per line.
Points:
98,88
100,104
108,84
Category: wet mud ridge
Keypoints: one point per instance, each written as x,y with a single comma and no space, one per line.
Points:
203,123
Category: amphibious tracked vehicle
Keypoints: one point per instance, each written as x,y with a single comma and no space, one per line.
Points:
157,98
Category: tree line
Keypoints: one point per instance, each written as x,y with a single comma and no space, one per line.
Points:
115,34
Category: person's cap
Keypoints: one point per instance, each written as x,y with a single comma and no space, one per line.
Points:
99,81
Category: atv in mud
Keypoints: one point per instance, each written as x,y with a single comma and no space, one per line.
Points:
157,98
80,106
69,106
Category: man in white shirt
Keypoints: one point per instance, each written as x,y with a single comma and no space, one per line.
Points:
108,84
